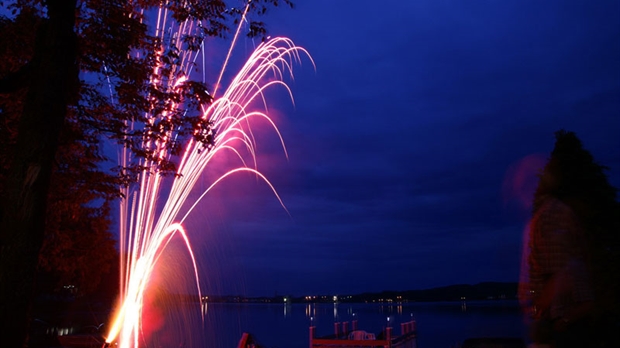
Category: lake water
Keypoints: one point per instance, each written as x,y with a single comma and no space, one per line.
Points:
444,324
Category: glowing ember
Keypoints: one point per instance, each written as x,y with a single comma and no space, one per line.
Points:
147,228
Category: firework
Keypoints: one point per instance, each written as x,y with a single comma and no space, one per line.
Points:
147,227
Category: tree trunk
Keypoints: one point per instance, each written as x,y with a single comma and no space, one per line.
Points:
52,85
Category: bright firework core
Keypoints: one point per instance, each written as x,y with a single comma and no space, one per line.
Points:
146,229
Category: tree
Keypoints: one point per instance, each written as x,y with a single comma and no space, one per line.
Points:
78,248
573,176
50,89
74,222
102,42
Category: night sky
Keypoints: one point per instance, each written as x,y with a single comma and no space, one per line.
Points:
413,147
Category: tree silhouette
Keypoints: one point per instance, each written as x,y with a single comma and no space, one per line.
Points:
72,72
573,176
74,223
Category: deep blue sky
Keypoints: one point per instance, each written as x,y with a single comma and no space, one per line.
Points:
408,142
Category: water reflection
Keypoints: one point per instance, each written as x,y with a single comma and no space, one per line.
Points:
440,324
204,306
310,310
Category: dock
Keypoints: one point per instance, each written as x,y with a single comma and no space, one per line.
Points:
349,337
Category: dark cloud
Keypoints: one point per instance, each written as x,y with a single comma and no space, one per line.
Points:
401,141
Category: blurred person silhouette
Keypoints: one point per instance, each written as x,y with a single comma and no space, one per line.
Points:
572,214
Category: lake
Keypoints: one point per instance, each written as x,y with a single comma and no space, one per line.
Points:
276,325
440,324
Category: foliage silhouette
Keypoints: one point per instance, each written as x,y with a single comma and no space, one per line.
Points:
71,73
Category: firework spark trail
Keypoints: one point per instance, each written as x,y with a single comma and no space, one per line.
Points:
144,236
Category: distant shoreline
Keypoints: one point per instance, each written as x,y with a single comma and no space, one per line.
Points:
486,291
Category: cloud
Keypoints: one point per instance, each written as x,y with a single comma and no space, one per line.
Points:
400,142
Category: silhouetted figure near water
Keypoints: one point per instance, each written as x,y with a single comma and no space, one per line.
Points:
572,255
559,282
